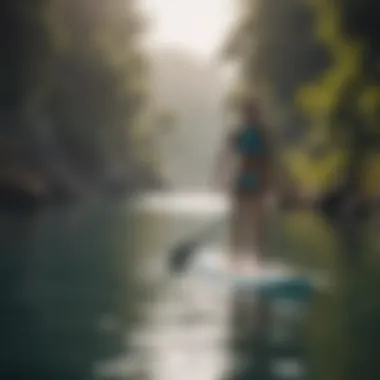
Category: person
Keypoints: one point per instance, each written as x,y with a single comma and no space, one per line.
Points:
249,146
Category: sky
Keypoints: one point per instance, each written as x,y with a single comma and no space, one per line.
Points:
198,26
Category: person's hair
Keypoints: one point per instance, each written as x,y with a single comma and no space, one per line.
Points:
250,107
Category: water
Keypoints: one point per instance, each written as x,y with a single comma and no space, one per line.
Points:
86,295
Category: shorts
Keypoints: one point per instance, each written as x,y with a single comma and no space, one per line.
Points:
248,183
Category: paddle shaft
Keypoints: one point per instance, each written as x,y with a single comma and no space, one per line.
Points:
183,252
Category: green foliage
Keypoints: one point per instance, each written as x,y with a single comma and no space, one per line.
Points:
333,83
313,65
101,89
79,77
345,99
277,52
27,50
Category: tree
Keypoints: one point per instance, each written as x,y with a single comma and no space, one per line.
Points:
75,82
313,64
345,100
276,50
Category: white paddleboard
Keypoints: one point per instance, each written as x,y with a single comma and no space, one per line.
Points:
274,278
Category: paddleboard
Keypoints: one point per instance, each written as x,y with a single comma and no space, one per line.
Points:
273,279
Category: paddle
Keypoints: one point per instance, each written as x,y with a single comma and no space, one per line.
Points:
181,255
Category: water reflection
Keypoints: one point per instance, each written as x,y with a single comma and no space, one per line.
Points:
85,295
68,291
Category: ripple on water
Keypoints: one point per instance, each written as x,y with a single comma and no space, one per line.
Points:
189,203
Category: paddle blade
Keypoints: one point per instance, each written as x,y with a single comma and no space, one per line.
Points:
181,256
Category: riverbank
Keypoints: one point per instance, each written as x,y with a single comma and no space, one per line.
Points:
28,190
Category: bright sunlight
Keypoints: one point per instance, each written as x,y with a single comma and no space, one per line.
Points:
195,25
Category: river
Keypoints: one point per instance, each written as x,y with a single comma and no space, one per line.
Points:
86,295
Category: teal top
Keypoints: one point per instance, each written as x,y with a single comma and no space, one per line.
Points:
248,143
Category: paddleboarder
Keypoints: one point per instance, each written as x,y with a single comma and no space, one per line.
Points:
249,146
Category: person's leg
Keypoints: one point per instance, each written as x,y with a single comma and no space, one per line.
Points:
246,231
237,229
258,212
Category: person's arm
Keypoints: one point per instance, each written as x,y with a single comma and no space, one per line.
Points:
224,163
269,164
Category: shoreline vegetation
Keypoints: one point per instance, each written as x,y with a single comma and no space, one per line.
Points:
75,100
314,69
